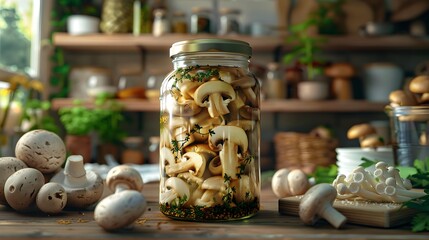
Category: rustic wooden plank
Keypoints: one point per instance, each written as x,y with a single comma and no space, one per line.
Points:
268,223
385,215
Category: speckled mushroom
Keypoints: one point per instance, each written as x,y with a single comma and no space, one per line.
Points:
42,150
21,188
8,166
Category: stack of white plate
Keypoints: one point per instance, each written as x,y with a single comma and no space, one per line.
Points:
350,158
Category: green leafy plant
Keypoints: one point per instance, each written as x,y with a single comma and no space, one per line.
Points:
78,119
110,120
325,174
420,221
328,16
305,48
420,179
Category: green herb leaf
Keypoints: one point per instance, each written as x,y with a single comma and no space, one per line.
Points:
367,163
420,222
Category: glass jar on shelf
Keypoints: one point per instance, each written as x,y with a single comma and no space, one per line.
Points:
178,22
201,20
133,151
275,87
161,25
228,20
210,133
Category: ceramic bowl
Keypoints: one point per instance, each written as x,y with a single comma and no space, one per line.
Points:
82,24
350,158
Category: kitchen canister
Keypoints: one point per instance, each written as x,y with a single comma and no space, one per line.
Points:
210,133
380,79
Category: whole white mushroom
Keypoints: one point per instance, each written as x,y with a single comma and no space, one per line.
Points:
42,150
21,188
8,166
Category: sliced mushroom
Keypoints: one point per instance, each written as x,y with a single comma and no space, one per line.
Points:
203,149
190,162
243,189
215,166
245,84
185,107
248,112
202,123
232,141
177,191
214,190
211,95
180,131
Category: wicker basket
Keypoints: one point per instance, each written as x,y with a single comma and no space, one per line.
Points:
304,151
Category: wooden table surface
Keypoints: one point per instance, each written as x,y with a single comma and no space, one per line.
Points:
268,223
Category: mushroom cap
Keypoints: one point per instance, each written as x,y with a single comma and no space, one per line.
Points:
340,70
279,183
84,196
419,84
298,182
52,198
22,187
360,130
124,175
232,134
180,187
214,183
314,200
211,87
120,209
201,148
372,141
401,98
42,150
8,166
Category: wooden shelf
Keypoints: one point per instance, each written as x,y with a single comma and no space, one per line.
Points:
147,42
266,106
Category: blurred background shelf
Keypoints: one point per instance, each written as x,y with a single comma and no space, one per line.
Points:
137,105
148,42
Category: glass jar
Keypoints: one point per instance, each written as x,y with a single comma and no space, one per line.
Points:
229,21
275,86
410,130
133,151
200,20
210,133
179,24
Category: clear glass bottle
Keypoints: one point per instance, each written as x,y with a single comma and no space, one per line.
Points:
210,133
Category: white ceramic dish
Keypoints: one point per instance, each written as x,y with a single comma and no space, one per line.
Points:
350,158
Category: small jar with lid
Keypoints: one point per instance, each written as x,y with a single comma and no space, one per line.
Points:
133,151
161,25
228,20
210,133
178,22
201,20
275,86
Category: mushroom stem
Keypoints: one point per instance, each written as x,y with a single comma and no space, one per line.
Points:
392,193
357,189
229,159
74,171
395,173
391,182
331,215
121,187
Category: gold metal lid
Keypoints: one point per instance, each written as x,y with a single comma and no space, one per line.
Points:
211,45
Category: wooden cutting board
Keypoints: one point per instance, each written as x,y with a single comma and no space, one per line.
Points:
385,215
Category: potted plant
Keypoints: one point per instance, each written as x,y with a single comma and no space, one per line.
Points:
109,127
79,122
306,47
